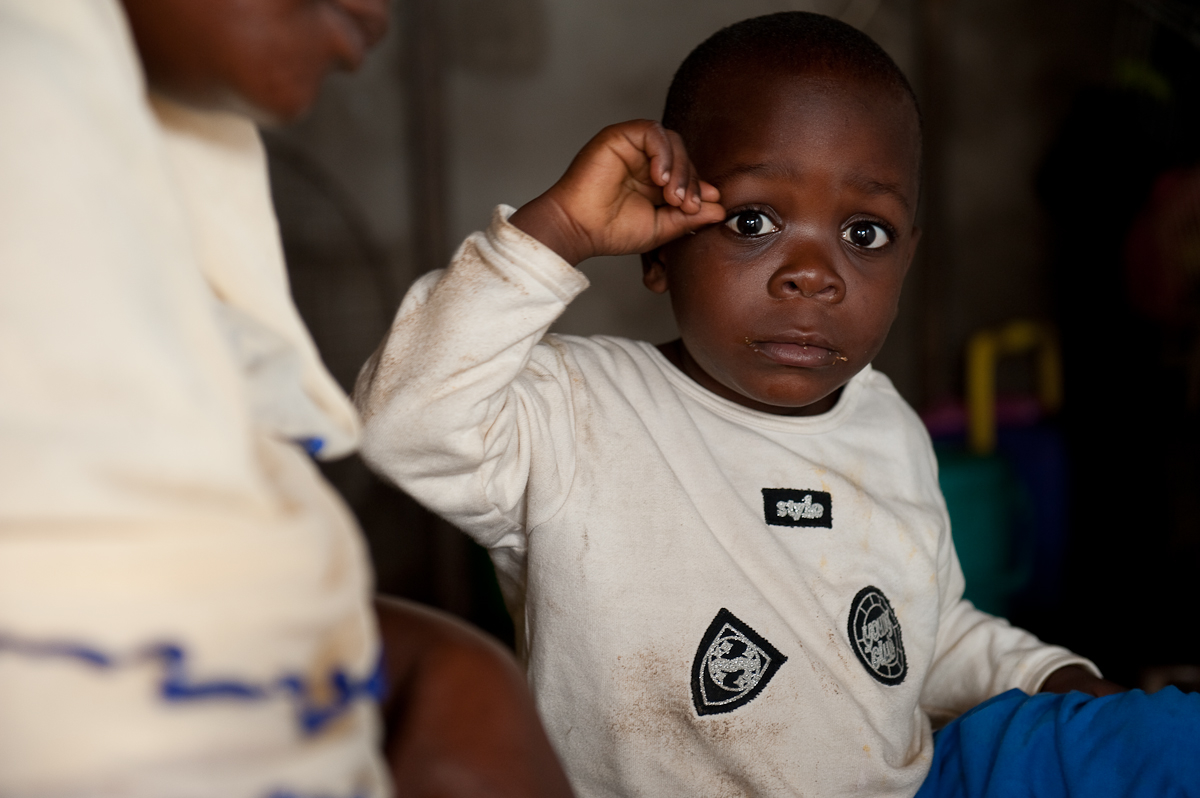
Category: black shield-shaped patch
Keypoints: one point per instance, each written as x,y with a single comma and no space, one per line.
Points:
875,636
789,507
733,664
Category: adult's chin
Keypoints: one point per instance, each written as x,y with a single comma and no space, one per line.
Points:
265,106
277,94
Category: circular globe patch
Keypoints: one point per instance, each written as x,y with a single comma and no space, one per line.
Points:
875,636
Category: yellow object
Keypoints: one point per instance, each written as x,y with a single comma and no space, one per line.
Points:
983,350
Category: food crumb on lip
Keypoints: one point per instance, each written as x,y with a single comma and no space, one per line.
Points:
834,355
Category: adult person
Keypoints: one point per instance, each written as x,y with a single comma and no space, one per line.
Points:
185,605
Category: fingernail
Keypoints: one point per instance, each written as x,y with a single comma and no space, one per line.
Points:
666,176
681,193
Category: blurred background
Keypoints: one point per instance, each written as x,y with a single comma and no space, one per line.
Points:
1062,188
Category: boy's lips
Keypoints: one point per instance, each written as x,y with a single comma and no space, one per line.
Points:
803,352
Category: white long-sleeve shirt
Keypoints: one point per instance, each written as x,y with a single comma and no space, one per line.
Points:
182,597
714,600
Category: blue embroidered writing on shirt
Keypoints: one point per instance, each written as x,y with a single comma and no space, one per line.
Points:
177,686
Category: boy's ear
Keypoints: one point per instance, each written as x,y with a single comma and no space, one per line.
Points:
654,272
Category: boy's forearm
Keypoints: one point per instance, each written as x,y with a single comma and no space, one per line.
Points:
433,397
979,656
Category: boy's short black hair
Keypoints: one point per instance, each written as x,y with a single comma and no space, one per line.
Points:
795,41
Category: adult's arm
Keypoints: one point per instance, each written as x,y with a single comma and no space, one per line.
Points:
181,595
459,716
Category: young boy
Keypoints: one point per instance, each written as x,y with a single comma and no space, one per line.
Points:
728,558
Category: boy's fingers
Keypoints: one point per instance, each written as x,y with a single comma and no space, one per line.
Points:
688,188
674,222
632,187
679,191
658,148
694,199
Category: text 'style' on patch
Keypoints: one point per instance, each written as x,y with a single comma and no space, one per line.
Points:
790,507
733,664
875,636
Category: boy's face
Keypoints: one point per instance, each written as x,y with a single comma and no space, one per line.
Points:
262,57
794,294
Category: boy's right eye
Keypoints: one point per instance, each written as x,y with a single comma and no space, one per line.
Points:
751,223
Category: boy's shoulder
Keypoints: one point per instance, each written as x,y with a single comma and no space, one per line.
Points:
883,402
596,357
886,422
881,389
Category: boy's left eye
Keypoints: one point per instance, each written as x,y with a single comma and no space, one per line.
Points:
751,223
866,235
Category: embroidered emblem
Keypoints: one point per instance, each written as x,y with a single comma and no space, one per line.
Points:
733,664
875,636
788,507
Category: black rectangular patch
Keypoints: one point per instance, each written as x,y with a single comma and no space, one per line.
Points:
788,507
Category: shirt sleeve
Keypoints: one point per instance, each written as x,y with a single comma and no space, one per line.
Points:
460,406
977,655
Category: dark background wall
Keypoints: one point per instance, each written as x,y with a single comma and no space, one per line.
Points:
1047,123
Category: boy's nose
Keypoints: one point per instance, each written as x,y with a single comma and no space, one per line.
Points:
810,275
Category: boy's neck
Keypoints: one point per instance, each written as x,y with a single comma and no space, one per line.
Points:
680,358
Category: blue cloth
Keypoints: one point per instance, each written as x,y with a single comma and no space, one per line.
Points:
1021,746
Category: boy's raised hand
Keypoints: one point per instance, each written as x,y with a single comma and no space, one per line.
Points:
631,189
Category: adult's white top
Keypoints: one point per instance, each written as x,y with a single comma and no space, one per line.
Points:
181,594
715,601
